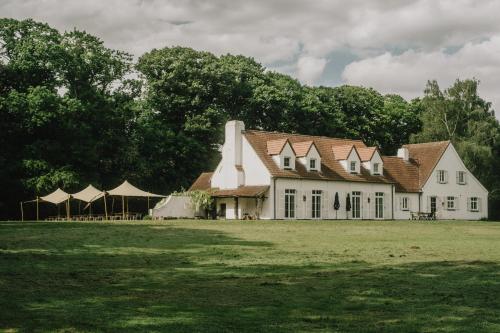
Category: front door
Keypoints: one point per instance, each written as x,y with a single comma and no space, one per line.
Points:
222,212
433,204
356,205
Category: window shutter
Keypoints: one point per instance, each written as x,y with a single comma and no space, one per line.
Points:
469,205
281,204
400,203
446,176
466,177
457,203
437,176
478,204
458,177
324,204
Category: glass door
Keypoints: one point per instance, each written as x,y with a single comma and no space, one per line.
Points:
379,205
356,205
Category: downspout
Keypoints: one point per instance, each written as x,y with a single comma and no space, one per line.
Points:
274,197
392,204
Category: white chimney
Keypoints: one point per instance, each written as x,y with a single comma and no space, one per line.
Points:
404,153
232,144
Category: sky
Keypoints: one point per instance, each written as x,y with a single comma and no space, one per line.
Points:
394,46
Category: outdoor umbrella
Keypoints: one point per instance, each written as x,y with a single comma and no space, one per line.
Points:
336,203
348,203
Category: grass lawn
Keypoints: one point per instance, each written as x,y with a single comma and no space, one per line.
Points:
202,276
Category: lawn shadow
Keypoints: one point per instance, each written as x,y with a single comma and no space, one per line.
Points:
128,278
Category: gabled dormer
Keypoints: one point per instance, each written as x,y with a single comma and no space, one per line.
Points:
372,160
348,157
308,155
282,152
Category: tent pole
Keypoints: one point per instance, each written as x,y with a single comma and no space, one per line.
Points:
90,208
37,209
105,207
67,210
22,212
148,205
123,207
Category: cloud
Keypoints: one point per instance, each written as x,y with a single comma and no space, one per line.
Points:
300,35
407,73
309,69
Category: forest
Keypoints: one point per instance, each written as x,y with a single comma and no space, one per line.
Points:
74,112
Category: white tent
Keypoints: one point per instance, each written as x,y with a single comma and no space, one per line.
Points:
128,190
88,194
56,197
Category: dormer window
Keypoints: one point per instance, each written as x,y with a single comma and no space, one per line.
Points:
376,169
286,162
312,164
353,166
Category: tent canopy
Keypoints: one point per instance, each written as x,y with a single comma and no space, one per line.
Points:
88,194
128,190
56,197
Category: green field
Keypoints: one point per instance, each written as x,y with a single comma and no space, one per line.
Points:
203,276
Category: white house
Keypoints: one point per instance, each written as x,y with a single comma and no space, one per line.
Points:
271,175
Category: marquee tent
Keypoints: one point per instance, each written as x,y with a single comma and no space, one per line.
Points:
57,197
126,190
89,195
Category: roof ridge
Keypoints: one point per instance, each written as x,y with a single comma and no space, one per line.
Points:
305,135
424,143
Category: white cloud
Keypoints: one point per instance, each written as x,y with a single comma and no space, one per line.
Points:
297,34
407,73
309,69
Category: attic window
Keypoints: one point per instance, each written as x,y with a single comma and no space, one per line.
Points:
286,162
375,169
353,167
312,164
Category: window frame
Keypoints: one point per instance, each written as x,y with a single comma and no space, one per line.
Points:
451,199
441,176
285,164
312,161
475,201
405,203
289,204
376,170
462,181
353,163
379,205
316,204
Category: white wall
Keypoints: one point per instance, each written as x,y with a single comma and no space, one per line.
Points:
176,207
376,158
399,213
286,152
256,172
452,163
313,153
305,187
353,156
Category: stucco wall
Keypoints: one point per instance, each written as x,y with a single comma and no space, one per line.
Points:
452,163
176,207
399,213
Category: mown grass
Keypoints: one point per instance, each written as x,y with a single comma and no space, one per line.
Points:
259,276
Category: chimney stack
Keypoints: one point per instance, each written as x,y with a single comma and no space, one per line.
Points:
404,153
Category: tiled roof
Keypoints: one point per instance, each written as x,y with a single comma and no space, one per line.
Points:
330,167
403,173
202,183
426,156
342,152
302,148
274,147
365,154
241,192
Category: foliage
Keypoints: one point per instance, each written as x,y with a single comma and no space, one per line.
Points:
201,200
460,115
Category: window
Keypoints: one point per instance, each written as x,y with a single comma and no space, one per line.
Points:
450,203
289,203
404,203
316,204
375,169
356,205
379,205
286,162
441,177
461,177
353,166
474,204
312,164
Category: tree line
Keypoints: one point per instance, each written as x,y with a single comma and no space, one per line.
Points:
74,112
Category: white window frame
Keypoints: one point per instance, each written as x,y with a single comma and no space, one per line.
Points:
356,205
353,164
289,204
474,204
451,203
285,164
316,204
463,175
441,177
376,170
405,203
311,162
379,205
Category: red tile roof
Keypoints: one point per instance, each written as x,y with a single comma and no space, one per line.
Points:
274,147
202,183
331,169
403,173
426,156
342,152
366,154
241,192
302,148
